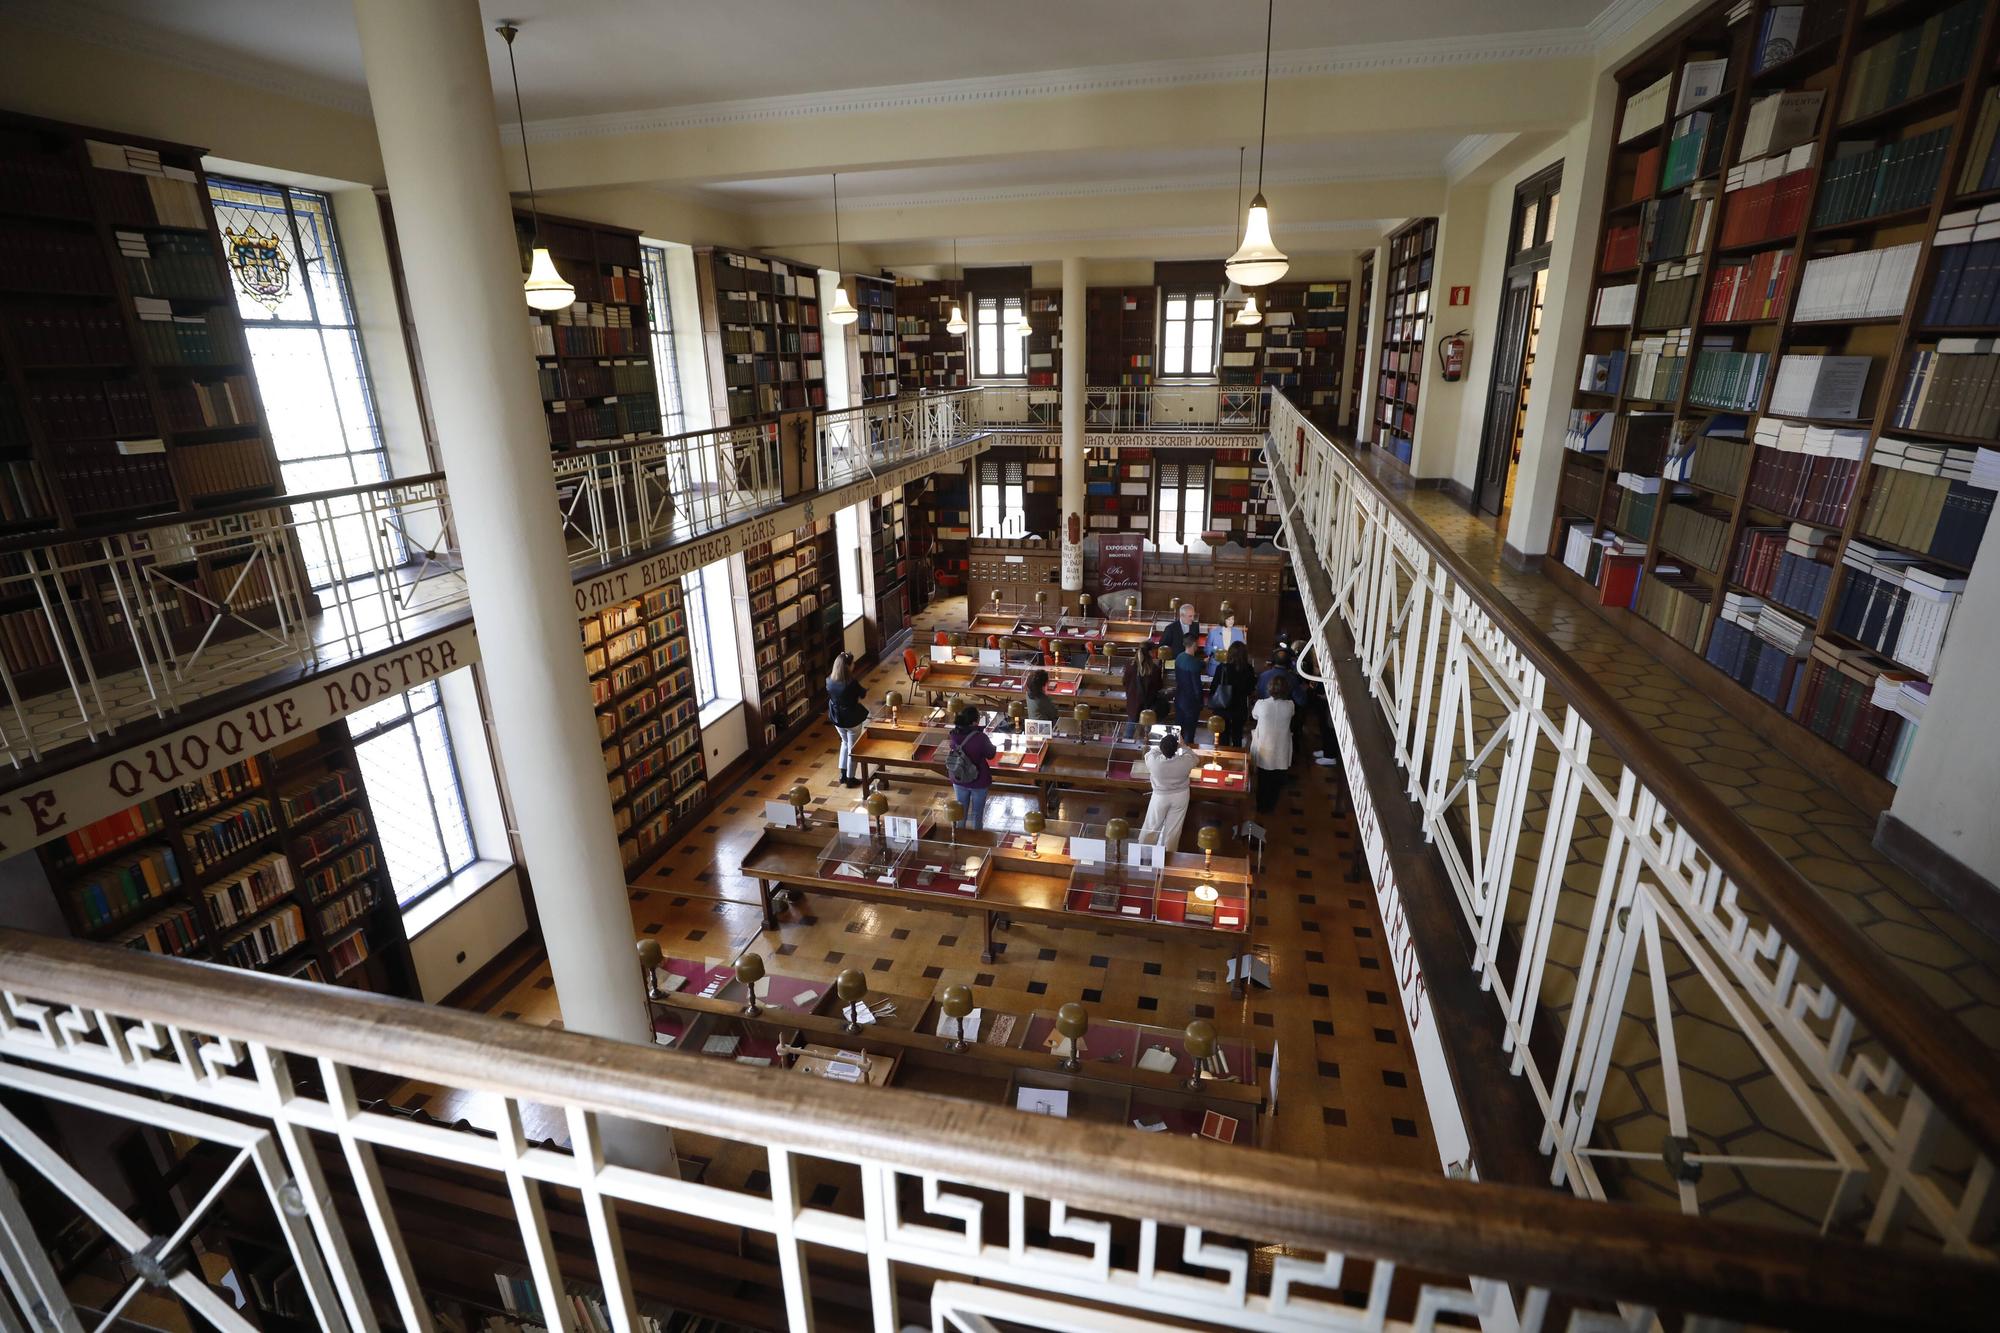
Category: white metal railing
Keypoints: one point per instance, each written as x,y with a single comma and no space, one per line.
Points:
1698,1027
1128,409
859,442
584,1183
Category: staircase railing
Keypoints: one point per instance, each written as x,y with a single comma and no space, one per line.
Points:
817,1196
1700,1028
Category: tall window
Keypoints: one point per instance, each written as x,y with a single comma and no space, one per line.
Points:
1188,323
1180,513
849,525
998,353
710,622
660,319
1002,504
412,779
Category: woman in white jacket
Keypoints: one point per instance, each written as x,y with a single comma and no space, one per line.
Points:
1168,767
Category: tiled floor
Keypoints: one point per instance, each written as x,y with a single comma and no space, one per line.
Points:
1348,1079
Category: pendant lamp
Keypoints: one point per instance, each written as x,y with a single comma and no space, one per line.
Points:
842,310
956,325
1249,314
1022,328
1258,260
545,288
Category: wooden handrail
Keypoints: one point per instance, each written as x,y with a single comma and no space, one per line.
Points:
1953,1067
1584,1250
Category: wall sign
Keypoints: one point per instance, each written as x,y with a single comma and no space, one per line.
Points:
1461,296
67,801
1121,560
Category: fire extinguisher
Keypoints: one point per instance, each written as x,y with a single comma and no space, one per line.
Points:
1451,353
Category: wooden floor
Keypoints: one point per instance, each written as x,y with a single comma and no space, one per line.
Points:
1330,1022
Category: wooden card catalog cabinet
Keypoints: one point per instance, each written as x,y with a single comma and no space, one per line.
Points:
1018,567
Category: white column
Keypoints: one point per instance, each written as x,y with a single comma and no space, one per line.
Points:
433,103
1073,530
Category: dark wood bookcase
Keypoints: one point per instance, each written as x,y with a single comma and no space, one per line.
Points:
875,338
648,718
761,329
595,358
1121,331
1406,295
793,582
273,863
1300,347
928,354
1042,353
1118,490
1739,525
889,555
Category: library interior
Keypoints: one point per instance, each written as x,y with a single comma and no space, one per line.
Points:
1334,686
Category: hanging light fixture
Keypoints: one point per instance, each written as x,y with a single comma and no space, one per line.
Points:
545,288
842,310
1022,328
956,326
1258,261
1247,315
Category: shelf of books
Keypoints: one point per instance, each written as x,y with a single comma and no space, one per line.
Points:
272,863
594,357
1300,347
875,337
1118,490
1121,335
1781,451
1043,348
1406,295
648,719
889,552
928,354
125,387
760,325
793,583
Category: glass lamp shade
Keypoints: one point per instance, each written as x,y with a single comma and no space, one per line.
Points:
842,310
1257,261
1249,314
545,288
956,325
1024,328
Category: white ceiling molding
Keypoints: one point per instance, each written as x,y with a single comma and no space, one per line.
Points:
1616,19
87,24
1434,53
1078,190
1467,154
1218,233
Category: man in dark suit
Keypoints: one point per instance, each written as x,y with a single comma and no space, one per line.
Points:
1182,634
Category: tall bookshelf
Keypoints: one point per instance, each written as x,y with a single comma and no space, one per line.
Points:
760,325
793,582
928,354
648,718
1802,527
1406,296
125,383
1300,347
1118,490
889,554
594,357
875,335
1043,348
273,863
1121,335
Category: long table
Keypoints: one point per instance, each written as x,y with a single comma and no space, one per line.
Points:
1003,877
1029,627
965,675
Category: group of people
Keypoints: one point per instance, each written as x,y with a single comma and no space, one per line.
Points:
1261,711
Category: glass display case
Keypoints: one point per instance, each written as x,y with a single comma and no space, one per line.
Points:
956,869
862,858
1212,898
1001,619
1018,753
1121,880
1081,627
1226,771
1053,840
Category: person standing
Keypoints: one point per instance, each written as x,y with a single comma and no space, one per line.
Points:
847,713
1182,634
1187,691
1144,682
968,762
1271,743
1168,768
1280,665
1235,683
1036,705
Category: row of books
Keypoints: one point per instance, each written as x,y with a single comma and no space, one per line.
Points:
1677,225
27,640
1837,704
1786,30
346,910
321,793
1767,197
1867,284
332,836
1912,62
44,186
82,409
264,939
172,932
1805,472
34,259
1981,170
1657,365
225,467
1931,498
206,339
1965,287
111,891
1895,604
337,875
1713,461
97,479
597,379
216,838
1952,388
253,889
1792,566
1674,604
230,783
204,405
1814,385
1727,378
69,336
628,417
1777,123
171,264
1615,305
347,953
1695,534
23,498
1694,147
1760,648
1638,497
1864,181
141,188
1670,295
586,340
1752,288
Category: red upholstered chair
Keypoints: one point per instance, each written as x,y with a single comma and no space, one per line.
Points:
1049,654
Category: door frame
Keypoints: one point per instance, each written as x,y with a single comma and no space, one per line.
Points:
1523,261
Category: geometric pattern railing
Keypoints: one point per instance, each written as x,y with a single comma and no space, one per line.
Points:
1696,1027
985,1215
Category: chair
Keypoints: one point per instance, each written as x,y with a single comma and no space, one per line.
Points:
1253,832
910,665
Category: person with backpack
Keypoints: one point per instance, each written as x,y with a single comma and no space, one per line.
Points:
968,762
1187,691
847,713
1168,768
1235,682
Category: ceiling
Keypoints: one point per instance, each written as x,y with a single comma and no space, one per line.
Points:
595,57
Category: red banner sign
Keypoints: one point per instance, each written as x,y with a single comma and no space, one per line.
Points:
1120,559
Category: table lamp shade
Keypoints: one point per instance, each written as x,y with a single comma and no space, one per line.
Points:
955,811
1215,726
1016,710
750,969
800,795
1148,719
894,698
1209,839
1033,822
1200,1039
1118,830
878,805
956,1002
1072,1020
850,986
1082,714
649,953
